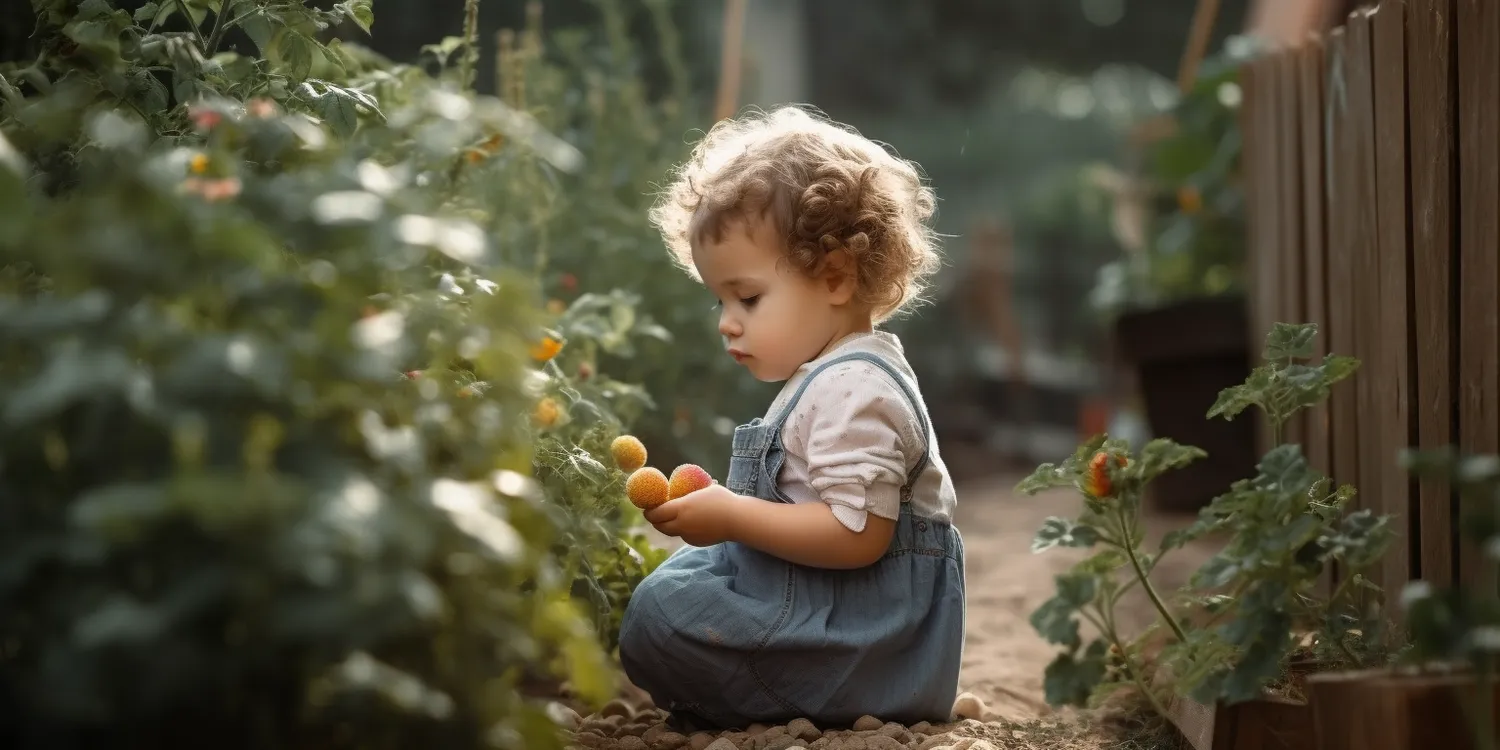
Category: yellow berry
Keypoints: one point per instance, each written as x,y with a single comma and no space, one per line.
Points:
629,452
546,412
646,488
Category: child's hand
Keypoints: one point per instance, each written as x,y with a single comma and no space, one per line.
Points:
700,518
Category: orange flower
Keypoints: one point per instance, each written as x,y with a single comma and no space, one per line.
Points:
1096,482
198,164
546,349
546,412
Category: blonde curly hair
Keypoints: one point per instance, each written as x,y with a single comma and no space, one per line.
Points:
823,186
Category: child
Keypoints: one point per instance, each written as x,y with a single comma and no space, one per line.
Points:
823,579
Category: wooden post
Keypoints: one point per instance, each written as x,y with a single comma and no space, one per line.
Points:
731,60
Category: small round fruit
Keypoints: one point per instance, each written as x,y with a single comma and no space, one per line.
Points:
1097,483
688,478
629,452
546,412
646,488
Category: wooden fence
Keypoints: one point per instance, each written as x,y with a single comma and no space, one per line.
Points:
1372,159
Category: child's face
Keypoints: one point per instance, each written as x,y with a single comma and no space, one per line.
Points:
774,318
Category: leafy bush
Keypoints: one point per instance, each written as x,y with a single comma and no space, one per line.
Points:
1244,614
597,240
277,382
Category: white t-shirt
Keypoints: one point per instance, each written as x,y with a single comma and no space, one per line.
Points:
853,437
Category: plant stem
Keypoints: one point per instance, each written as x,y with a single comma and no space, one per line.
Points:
1140,572
1140,682
215,36
182,6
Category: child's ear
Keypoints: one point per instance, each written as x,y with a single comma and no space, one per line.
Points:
840,275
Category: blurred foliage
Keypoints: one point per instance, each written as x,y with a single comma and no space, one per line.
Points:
589,86
1190,188
294,454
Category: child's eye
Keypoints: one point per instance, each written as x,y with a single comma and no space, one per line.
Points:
750,301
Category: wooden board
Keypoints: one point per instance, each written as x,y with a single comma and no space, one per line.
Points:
1479,236
1432,118
1391,384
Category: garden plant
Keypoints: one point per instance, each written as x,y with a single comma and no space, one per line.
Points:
296,451
1254,609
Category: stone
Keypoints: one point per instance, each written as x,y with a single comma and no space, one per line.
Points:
755,729
867,723
630,742
563,716
700,740
969,706
803,729
723,743
896,732
634,729
921,727
668,741
617,707
935,742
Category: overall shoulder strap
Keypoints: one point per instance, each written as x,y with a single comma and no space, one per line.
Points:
900,380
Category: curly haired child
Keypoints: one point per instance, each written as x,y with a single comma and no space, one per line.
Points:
824,579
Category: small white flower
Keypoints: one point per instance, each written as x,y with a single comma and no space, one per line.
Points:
1415,592
486,286
447,285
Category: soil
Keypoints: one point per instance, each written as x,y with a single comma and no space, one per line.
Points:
1001,705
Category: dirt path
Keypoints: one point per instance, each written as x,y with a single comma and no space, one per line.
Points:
1004,659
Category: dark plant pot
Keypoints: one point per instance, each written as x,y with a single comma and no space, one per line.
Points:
1384,710
1183,354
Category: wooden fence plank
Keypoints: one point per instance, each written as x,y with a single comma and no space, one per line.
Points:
1391,383
1479,190
1271,237
1339,150
1290,307
1314,280
1310,69
1364,251
1434,187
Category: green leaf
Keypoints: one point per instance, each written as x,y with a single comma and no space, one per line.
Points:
1071,679
358,11
146,13
1290,341
1062,532
258,27
1237,398
296,53
1054,620
1162,455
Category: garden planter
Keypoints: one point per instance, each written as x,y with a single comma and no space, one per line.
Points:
1183,354
1385,710
1272,722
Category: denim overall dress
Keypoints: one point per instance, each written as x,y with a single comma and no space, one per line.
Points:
725,636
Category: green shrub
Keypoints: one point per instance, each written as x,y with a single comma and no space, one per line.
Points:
277,469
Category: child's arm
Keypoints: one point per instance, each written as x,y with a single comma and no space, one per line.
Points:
803,533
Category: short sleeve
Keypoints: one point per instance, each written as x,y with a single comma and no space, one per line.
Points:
860,434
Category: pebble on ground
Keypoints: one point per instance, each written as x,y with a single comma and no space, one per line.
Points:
621,726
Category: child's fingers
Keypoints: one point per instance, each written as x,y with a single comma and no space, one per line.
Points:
661,513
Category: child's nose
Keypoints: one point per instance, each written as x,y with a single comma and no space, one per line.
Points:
728,326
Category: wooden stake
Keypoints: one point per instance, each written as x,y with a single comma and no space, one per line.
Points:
1197,45
732,60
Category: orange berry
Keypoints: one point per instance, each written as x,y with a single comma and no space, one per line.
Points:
688,478
546,412
198,164
628,451
646,488
585,370
1096,482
